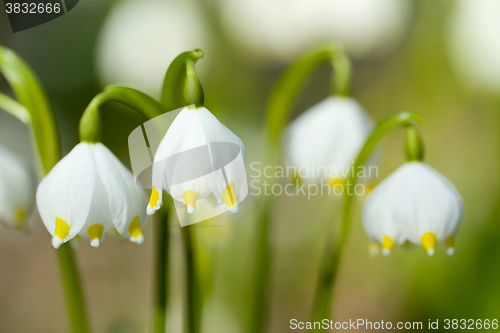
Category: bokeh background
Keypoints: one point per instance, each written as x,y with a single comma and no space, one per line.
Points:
436,58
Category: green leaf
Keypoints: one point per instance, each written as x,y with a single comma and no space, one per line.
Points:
32,96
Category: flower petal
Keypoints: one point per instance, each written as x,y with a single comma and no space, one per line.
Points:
64,196
125,198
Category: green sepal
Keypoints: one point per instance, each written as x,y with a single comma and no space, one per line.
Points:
414,145
181,86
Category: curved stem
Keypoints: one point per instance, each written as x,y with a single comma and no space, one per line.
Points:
35,110
336,241
90,123
279,107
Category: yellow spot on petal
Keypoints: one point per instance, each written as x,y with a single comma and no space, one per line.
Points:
21,219
296,179
116,232
373,249
95,231
229,195
190,198
155,196
134,228
388,243
370,187
336,181
62,228
450,241
78,237
429,241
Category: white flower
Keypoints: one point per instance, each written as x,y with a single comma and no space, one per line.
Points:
139,40
474,46
17,189
416,204
280,29
198,157
88,193
324,141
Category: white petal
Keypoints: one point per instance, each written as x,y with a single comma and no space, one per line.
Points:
125,198
99,218
324,141
17,189
64,196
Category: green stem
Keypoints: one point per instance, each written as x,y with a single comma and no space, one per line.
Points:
90,123
193,311
161,271
336,241
181,84
35,110
72,289
279,108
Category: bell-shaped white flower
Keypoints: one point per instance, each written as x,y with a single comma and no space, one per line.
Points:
473,42
198,157
278,30
88,193
17,189
324,141
416,204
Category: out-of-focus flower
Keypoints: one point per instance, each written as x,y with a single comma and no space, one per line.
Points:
474,46
141,38
416,204
323,142
280,29
196,160
17,190
88,193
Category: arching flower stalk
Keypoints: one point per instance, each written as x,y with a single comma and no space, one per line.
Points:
198,161
336,240
415,204
17,190
280,103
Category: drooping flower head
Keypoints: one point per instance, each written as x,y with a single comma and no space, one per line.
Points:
415,204
323,142
199,158
88,193
17,190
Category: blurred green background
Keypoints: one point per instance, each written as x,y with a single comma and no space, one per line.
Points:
74,57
